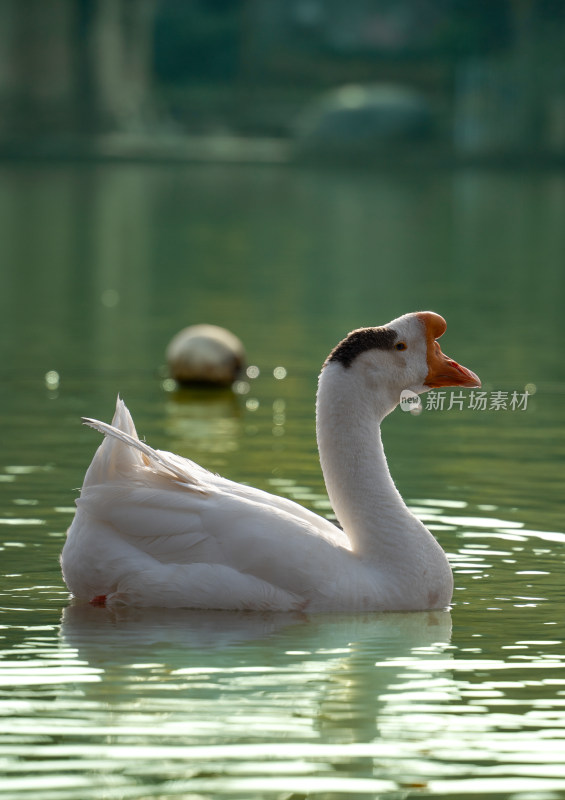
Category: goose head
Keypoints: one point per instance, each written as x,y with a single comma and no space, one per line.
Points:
402,355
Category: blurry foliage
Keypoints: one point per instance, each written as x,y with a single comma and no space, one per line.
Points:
89,67
197,40
208,40
476,27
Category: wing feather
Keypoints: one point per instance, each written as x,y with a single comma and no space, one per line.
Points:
159,457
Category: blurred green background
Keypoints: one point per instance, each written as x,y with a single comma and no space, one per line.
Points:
132,78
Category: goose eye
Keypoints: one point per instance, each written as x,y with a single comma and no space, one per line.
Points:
400,346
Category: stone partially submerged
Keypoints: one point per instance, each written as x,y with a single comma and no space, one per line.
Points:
205,354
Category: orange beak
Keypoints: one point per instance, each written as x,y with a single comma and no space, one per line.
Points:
442,371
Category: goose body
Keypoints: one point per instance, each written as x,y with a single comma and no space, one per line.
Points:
154,529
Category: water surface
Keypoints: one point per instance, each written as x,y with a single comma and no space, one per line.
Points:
99,267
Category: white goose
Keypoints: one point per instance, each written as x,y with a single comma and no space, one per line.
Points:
155,529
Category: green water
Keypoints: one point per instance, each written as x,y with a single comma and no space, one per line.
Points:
99,267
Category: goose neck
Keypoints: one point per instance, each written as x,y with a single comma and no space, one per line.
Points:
360,487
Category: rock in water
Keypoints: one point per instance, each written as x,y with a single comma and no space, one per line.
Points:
205,354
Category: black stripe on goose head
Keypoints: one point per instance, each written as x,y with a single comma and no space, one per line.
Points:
359,341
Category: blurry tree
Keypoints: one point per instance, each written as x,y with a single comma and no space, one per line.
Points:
71,67
198,40
116,61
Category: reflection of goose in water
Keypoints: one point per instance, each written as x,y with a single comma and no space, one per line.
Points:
84,626
153,529
218,679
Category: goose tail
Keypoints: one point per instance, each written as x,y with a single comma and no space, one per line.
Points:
122,452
